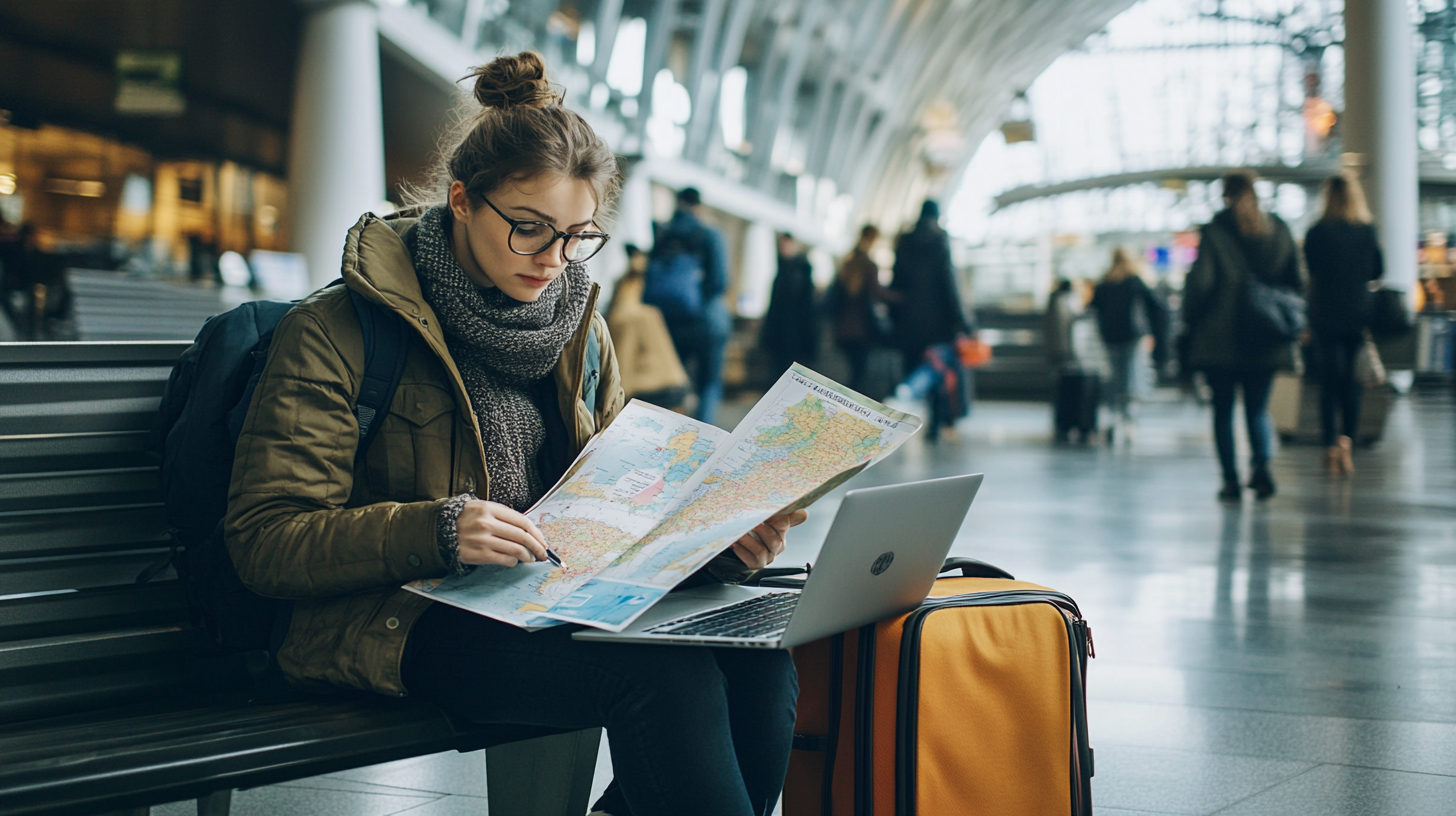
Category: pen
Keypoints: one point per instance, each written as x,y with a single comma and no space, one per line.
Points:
553,557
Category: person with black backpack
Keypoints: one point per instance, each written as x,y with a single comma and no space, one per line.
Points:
507,372
1243,314
686,276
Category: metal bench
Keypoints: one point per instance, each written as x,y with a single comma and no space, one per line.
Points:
110,700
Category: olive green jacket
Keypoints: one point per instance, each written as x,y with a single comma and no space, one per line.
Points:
305,524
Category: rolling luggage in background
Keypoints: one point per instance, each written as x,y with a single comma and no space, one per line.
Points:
972,704
1294,407
1074,404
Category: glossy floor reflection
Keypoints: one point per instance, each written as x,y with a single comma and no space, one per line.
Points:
1291,657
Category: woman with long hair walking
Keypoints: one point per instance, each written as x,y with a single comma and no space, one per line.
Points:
1126,312
1241,242
1342,251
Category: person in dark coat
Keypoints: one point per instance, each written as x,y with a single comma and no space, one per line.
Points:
1242,240
1342,251
856,293
1127,310
790,332
928,310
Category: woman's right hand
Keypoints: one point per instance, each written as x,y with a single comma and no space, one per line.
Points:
491,533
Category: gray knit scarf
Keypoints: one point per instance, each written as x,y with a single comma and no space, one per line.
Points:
502,346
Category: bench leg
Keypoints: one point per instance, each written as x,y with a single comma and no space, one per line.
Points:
547,776
217,803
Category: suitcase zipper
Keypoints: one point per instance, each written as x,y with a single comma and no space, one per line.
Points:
864,723
908,693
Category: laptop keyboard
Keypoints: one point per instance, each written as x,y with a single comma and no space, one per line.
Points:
759,617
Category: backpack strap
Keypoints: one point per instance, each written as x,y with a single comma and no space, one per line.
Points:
591,373
386,345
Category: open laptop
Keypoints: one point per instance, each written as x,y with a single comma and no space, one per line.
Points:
881,557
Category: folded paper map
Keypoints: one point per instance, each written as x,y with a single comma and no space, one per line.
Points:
656,495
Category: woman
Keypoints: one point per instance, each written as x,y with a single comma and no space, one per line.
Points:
856,292
927,309
1126,310
1342,251
790,330
488,406
1241,241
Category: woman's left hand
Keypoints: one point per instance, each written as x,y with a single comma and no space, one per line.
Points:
765,542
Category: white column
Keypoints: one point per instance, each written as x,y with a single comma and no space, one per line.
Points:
336,141
756,273
1380,125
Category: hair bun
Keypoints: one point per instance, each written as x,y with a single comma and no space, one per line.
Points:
512,82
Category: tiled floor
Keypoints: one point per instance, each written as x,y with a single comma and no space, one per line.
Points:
1294,657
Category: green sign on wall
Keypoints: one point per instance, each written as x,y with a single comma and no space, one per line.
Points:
149,83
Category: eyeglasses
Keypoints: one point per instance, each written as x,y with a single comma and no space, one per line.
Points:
535,237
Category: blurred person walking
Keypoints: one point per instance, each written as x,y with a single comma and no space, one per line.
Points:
646,358
852,303
1342,251
790,330
1056,326
928,306
685,278
1242,246
1127,310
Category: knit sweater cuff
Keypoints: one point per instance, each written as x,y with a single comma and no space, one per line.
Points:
446,537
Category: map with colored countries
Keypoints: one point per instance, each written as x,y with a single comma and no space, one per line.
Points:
806,436
617,490
656,495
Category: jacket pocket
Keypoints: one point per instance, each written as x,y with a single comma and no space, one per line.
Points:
411,459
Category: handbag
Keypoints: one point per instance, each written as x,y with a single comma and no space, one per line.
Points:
1269,316
1369,370
1389,313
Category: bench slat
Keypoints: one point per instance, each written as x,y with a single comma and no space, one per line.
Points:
91,451
97,646
86,571
137,605
130,414
79,488
138,760
32,534
51,355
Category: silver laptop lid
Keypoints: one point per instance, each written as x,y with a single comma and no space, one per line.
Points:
882,555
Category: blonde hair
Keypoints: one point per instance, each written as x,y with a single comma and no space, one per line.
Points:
1345,200
521,130
1243,199
1123,267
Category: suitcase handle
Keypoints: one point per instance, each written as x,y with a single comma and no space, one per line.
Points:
973,568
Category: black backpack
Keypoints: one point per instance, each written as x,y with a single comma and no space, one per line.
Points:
196,432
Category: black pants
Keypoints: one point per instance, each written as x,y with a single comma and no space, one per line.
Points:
1339,391
1256,385
692,729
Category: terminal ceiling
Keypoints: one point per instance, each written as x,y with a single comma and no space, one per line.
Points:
886,98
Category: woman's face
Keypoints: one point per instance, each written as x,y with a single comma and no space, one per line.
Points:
481,238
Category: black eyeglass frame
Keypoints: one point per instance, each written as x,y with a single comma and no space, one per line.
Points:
557,236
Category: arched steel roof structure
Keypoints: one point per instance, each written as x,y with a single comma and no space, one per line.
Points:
884,99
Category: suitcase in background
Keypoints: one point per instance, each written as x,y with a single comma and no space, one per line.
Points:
1074,404
974,703
1294,407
